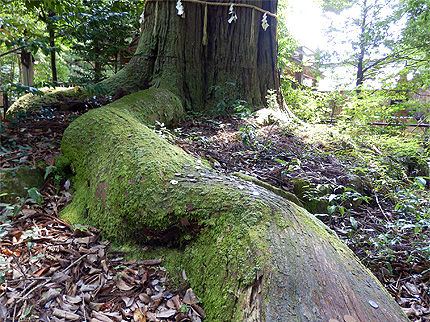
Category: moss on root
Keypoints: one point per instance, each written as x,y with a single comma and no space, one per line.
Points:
30,101
285,194
147,193
248,253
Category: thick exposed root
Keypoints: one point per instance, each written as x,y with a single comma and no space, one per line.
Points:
251,254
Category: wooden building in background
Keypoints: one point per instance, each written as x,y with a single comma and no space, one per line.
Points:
305,70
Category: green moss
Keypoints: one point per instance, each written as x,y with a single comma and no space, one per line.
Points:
29,102
221,260
310,196
62,163
116,132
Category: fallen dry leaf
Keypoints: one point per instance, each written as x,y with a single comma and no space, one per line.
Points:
65,314
190,297
139,315
122,285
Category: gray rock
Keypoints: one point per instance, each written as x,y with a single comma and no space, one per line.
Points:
15,182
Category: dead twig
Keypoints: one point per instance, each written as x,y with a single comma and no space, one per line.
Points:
380,208
49,279
75,262
26,279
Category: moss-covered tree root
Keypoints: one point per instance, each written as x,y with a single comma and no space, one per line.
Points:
249,253
59,97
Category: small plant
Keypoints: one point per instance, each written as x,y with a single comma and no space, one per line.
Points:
80,227
35,195
48,170
240,108
226,98
346,198
31,234
248,135
413,200
184,308
3,271
164,132
118,274
10,210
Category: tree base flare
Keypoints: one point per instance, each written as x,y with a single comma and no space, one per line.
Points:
249,253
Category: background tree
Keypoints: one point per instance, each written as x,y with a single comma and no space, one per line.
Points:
416,42
365,37
104,30
21,37
59,35
55,14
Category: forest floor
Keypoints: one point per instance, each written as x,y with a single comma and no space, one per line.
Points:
53,270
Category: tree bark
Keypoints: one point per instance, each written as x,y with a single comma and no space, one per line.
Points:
238,62
249,253
27,68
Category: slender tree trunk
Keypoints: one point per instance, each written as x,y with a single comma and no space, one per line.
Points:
26,68
362,45
5,103
116,63
46,17
360,74
52,54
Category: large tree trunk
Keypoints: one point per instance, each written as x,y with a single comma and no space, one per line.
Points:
250,254
238,60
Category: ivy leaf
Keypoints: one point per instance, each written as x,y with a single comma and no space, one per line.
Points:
35,195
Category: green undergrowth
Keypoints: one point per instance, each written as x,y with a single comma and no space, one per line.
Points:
385,157
396,164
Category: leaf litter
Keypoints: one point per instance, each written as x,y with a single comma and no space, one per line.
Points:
53,271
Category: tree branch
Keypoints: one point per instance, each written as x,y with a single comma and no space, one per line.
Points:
12,51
